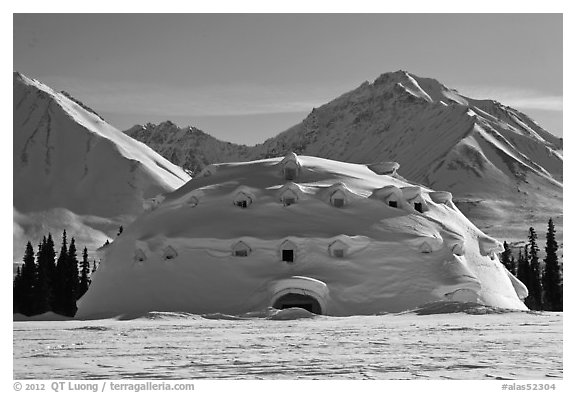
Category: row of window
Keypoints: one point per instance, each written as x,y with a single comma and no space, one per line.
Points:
337,249
336,202
243,200
288,255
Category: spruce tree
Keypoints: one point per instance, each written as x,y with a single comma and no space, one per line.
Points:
508,260
84,281
51,254
523,271
50,260
70,281
27,280
59,303
551,281
17,294
44,285
40,282
534,299
120,230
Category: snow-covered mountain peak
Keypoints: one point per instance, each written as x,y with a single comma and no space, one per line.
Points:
391,77
69,164
427,89
45,102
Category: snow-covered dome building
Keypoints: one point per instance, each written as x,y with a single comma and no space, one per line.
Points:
331,237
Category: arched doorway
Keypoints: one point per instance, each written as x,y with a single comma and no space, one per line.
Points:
306,302
298,291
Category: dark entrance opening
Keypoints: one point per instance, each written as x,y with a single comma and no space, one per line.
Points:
298,300
289,173
338,202
418,207
288,255
242,204
393,204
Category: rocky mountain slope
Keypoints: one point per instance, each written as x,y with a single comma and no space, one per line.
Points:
188,147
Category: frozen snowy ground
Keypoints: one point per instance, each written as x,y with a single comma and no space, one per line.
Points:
514,345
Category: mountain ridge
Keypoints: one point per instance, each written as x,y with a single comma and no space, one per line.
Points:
479,149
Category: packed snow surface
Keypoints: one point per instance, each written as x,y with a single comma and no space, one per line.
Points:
438,341
334,238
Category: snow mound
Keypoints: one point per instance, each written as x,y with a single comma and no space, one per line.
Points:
161,316
270,313
289,314
384,168
260,314
224,317
338,247
92,328
459,307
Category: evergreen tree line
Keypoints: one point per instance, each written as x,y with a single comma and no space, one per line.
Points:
545,285
46,283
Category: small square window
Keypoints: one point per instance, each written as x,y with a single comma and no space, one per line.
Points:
338,202
242,204
288,255
289,173
393,204
241,253
338,253
418,207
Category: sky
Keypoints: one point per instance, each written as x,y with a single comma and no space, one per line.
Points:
246,77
